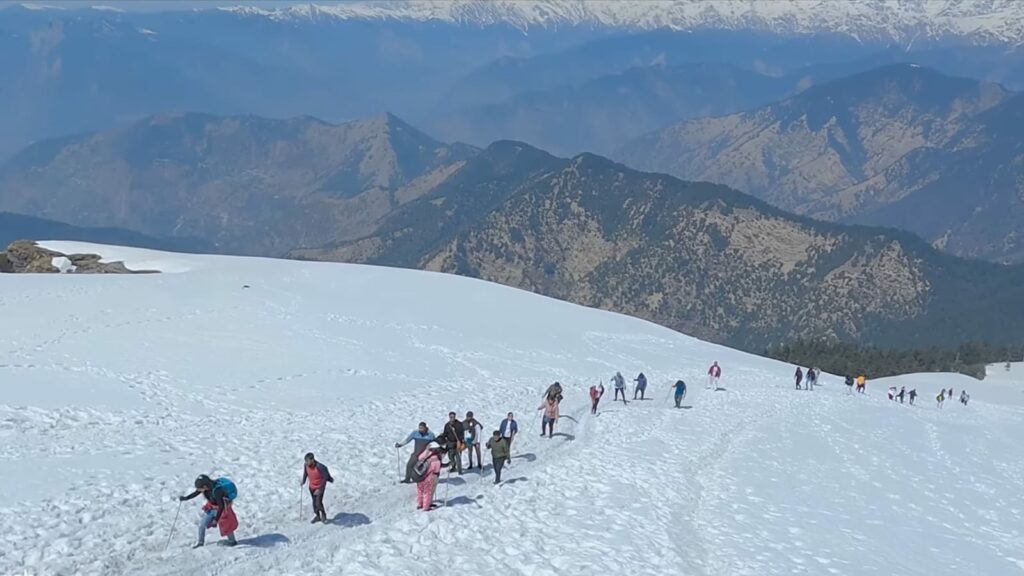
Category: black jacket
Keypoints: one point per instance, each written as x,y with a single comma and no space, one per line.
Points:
454,432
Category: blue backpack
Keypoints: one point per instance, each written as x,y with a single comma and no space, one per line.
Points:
227,486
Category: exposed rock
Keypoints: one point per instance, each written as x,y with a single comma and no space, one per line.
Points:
25,256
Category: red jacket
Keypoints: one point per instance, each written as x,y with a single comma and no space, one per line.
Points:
715,371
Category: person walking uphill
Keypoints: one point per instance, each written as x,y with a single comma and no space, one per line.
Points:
420,438
620,386
318,476
508,429
595,397
429,463
473,430
849,384
554,391
454,436
217,509
714,373
680,387
499,453
862,383
550,408
641,386
799,377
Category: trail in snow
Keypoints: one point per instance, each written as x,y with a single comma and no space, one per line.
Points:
118,391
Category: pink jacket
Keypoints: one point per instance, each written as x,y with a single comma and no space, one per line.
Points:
435,462
715,371
550,409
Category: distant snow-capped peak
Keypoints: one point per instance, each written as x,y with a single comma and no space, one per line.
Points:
980,20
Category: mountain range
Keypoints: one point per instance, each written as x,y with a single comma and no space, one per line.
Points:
900,146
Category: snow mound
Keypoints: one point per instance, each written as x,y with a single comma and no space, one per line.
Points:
119,389
133,258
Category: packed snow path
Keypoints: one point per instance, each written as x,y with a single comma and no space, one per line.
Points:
117,391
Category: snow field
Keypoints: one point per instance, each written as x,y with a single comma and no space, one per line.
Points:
117,391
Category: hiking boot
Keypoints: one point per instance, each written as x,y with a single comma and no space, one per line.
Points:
197,545
315,520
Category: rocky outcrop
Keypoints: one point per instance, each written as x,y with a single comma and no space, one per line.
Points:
25,256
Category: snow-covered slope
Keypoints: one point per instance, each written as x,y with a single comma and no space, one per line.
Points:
115,391
982,20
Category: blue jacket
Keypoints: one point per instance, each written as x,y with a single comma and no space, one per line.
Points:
680,388
514,429
420,441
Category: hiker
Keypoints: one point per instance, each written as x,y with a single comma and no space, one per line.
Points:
902,394
318,476
554,391
430,462
509,428
849,384
941,397
547,423
641,386
799,377
963,397
420,438
714,373
812,377
892,393
913,396
967,398
620,386
454,436
473,429
499,453
217,509
680,387
595,397
950,395
861,383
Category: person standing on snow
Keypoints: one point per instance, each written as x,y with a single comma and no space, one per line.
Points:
473,430
217,509
554,391
454,436
913,396
812,378
509,428
641,386
318,476
892,393
680,392
714,373
550,408
595,397
862,383
941,397
499,453
620,386
849,384
420,438
799,377
902,394
426,486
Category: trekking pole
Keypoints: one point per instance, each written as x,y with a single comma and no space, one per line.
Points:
447,483
173,524
398,464
300,502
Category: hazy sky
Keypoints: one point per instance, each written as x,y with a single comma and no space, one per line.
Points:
158,5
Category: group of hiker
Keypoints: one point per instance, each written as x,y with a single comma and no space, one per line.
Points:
944,394
902,394
618,382
862,382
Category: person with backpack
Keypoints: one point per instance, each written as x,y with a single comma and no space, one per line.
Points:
499,453
941,397
595,397
849,384
620,386
473,430
509,428
799,377
425,472
547,423
680,392
420,438
217,510
913,395
714,373
318,476
454,436
641,386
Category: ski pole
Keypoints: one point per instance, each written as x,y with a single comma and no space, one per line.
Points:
173,524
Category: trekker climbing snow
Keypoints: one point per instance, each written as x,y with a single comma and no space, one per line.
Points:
473,430
454,437
509,428
641,386
714,373
595,397
554,391
913,396
680,392
941,397
318,476
428,468
620,386
799,377
420,438
812,379
861,383
217,509
849,384
902,394
499,453
892,393
550,408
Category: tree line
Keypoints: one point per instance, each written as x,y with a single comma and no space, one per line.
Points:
835,357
